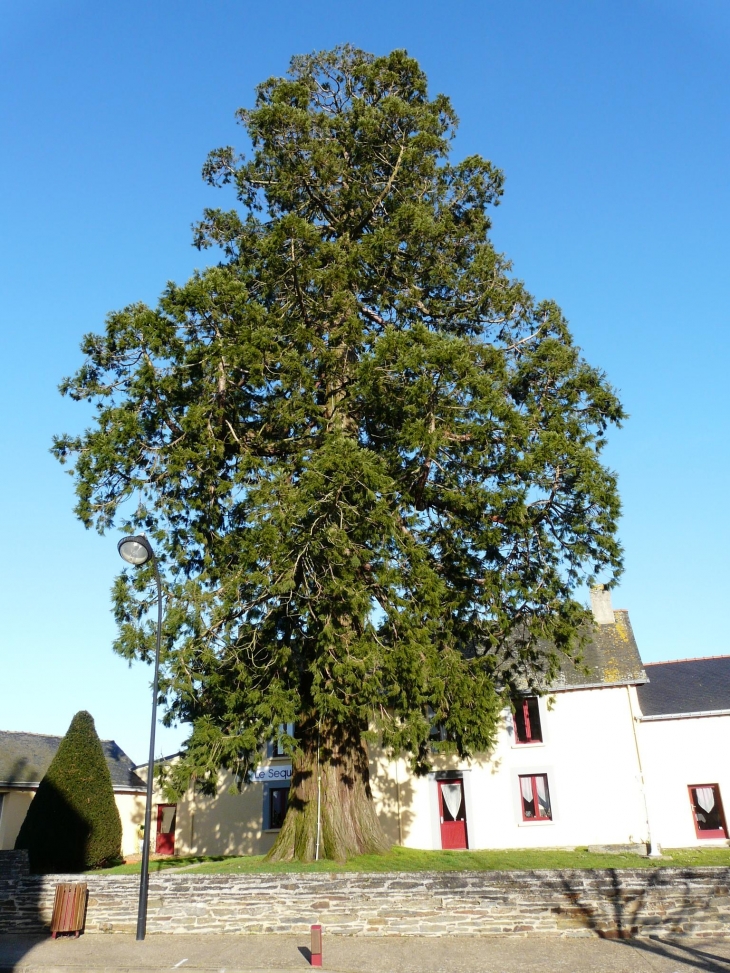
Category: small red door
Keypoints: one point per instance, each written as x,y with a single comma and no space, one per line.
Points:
166,814
453,814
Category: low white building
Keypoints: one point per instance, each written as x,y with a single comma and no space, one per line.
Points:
684,736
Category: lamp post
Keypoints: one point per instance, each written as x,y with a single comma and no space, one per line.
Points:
138,551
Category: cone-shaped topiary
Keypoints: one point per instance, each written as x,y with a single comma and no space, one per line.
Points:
73,822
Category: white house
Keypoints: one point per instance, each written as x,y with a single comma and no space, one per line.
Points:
565,770
684,736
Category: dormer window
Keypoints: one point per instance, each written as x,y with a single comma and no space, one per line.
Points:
527,720
437,732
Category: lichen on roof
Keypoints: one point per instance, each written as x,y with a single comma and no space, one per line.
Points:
609,656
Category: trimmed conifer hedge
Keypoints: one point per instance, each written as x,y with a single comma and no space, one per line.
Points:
73,823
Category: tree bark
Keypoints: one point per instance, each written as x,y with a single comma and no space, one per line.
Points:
331,812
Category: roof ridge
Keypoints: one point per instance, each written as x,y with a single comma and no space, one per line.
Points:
30,733
696,658
49,736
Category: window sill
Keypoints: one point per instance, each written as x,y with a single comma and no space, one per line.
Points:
527,746
535,824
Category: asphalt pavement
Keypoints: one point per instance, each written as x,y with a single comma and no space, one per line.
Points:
211,953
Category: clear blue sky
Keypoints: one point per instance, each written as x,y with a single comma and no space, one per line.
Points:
610,119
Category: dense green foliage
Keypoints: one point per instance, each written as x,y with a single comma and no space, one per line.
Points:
368,457
73,823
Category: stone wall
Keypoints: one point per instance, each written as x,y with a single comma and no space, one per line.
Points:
610,903
13,864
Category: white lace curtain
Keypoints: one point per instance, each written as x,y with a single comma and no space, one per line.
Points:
705,798
451,794
542,797
168,819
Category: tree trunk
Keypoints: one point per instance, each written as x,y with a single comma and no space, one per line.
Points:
331,812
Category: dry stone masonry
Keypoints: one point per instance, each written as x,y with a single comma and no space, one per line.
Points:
13,864
641,902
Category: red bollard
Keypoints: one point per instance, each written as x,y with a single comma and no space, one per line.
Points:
316,950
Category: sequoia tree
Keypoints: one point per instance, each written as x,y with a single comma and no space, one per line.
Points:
368,457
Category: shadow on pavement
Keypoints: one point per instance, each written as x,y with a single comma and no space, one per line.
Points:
685,953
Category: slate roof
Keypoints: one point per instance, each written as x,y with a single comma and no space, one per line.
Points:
686,686
611,656
25,757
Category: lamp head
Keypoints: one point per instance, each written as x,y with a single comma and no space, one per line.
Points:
135,550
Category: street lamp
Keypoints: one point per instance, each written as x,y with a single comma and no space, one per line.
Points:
138,551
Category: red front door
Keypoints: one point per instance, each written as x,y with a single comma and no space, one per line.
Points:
165,843
453,814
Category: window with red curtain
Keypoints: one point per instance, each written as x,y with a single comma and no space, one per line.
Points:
535,797
527,720
707,809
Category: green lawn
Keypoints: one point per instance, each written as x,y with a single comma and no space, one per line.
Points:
410,860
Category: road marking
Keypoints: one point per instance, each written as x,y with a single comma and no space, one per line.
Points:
179,964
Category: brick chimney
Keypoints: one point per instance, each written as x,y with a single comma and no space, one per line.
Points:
601,605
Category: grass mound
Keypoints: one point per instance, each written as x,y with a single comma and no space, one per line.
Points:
413,860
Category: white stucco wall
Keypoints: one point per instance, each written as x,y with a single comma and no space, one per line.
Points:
16,803
131,813
678,753
589,755
15,806
227,824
